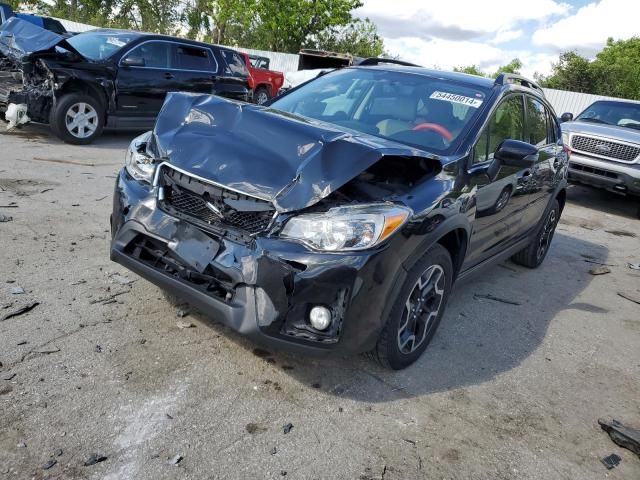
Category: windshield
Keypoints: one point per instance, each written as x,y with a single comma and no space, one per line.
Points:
418,110
622,114
100,45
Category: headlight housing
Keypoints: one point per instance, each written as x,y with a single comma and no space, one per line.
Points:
565,139
137,162
346,228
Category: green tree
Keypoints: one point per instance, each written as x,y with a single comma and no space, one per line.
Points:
616,69
359,38
471,70
220,21
572,72
513,66
285,25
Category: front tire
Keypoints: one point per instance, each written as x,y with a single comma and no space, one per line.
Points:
77,118
533,255
262,95
416,312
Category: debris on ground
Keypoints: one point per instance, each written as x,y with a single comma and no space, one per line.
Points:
8,376
183,324
98,349
601,270
49,464
93,459
5,218
120,279
19,311
21,445
181,313
59,452
17,290
611,461
108,299
254,428
46,350
488,296
621,233
175,460
274,450
630,297
634,266
287,428
624,436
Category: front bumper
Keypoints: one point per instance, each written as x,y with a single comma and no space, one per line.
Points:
614,176
264,289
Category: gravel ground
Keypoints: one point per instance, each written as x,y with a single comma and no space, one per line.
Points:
100,366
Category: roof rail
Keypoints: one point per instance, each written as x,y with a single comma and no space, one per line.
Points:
377,61
505,78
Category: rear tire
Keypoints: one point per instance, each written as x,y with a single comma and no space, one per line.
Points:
533,255
77,118
416,312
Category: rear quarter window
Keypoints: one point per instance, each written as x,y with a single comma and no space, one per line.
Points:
234,63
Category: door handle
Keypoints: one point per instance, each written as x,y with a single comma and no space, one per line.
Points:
168,75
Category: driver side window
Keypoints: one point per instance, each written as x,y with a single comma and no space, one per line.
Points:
507,122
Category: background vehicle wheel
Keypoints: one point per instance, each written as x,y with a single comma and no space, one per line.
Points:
533,255
417,311
77,118
262,95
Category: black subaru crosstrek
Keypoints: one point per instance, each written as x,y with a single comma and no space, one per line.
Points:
338,217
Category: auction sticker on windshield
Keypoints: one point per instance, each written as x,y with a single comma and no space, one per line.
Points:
455,98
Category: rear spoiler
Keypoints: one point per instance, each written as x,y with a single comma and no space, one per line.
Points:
371,61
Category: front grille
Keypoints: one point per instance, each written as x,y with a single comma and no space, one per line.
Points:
605,148
592,170
212,205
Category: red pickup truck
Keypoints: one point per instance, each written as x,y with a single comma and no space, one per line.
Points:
264,82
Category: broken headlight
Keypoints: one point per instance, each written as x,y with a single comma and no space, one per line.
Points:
137,162
346,228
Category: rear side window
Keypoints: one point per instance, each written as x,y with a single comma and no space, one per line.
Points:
554,134
506,123
235,63
194,58
154,54
537,123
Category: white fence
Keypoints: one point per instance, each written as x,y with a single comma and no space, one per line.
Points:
573,102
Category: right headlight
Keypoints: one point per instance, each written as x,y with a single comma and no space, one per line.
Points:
346,228
138,163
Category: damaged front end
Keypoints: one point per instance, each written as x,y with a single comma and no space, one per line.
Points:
257,218
26,82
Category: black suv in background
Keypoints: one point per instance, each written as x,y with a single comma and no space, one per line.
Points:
107,78
338,217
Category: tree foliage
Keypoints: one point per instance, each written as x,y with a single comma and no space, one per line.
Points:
471,70
360,38
614,72
513,66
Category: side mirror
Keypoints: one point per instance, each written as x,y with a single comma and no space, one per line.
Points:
515,153
133,62
566,117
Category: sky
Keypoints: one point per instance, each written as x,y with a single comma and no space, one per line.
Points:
489,33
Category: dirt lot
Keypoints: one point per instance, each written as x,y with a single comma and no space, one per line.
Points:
98,366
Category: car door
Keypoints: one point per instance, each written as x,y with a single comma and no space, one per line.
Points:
196,68
233,75
498,208
539,184
145,75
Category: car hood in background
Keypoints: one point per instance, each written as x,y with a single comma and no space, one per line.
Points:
19,39
290,161
601,130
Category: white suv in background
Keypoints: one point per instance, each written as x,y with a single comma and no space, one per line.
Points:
605,145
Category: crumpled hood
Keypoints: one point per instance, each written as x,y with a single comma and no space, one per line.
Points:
19,39
601,130
290,161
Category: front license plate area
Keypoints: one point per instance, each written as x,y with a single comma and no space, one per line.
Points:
194,247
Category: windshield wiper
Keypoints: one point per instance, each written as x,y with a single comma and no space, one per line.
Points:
594,120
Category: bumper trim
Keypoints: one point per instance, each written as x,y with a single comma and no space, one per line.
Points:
240,317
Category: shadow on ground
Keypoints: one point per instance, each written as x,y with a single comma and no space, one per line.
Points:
604,201
42,134
477,340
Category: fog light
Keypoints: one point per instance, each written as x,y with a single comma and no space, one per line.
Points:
320,318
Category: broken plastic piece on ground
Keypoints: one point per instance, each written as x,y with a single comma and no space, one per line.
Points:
601,270
624,436
634,266
93,459
16,114
175,460
287,428
611,461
